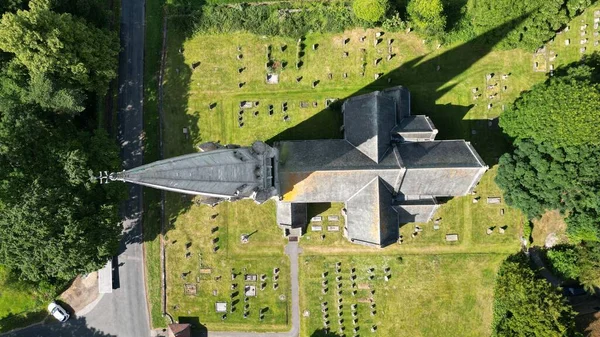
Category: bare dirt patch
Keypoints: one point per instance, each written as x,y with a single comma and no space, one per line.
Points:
589,324
82,292
551,224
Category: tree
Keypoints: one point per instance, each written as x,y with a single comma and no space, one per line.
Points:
527,306
539,177
55,222
427,15
564,261
542,19
11,5
60,46
562,111
370,10
588,254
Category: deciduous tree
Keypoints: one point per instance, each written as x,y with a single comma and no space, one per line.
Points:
539,177
563,111
427,15
55,222
370,10
525,305
60,46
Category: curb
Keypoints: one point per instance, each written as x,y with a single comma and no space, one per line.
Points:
89,307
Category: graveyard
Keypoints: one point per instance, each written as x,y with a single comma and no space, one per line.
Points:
236,88
427,295
206,250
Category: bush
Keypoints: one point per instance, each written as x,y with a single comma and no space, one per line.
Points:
394,23
277,19
370,10
427,16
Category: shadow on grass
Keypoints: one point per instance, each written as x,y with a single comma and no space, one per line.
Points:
324,333
198,329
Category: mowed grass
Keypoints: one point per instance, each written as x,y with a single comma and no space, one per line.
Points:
429,295
190,251
16,298
20,303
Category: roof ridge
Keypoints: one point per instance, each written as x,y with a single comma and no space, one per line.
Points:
362,188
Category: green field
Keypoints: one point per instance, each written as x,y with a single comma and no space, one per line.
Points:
20,303
437,288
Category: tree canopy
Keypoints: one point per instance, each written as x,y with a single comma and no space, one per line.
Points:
527,306
55,223
563,111
60,46
542,18
539,177
580,262
427,16
370,10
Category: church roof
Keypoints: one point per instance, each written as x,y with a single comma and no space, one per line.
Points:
439,154
368,123
370,218
330,170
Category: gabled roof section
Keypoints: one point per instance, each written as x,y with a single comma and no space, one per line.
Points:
330,170
439,154
370,218
416,128
368,123
180,330
291,214
401,96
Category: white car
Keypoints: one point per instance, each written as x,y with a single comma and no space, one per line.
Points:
58,312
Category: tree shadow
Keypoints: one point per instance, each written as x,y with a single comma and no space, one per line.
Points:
198,329
324,333
74,327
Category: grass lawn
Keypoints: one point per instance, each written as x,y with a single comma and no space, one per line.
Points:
20,304
428,295
437,288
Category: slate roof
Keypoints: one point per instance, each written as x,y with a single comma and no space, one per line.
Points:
180,330
420,210
370,218
401,96
239,173
368,123
292,214
439,154
330,170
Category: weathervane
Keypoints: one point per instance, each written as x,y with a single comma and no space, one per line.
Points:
104,177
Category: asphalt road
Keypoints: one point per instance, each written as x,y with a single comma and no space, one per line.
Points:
122,313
